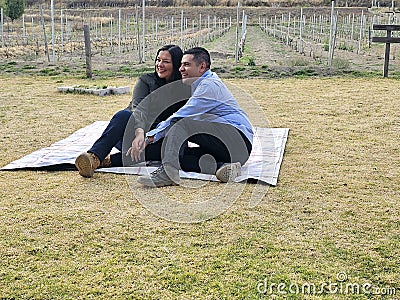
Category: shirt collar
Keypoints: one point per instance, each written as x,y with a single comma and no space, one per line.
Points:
206,74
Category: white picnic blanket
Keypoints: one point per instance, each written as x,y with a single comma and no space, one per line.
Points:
264,162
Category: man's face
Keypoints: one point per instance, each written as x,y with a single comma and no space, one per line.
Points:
189,70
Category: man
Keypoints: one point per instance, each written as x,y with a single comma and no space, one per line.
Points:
211,118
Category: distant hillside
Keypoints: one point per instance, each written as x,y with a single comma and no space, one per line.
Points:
229,3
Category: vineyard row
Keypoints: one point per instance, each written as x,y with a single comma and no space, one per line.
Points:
312,35
109,34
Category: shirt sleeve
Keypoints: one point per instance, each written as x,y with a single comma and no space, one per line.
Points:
201,103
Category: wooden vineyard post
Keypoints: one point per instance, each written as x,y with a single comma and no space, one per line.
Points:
111,33
96,26
200,26
214,35
288,31
152,31
67,29
126,38
237,35
62,32
2,27
143,32
156,37
101,29
361,31
300,47
138,33
88,52
24,40
181,35
33,29
53,50
388,39
119,31
172,30
352,28
331,30
208,29
46,46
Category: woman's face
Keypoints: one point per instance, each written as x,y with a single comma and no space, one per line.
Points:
164,66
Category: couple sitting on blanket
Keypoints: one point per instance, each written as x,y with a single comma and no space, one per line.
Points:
181,102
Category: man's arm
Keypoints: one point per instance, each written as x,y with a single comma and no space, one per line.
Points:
203,100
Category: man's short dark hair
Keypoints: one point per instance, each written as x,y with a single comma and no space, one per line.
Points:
200,55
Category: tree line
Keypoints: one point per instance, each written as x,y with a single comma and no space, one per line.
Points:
13,9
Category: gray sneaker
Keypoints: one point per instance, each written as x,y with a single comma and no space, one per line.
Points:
163,176
228,172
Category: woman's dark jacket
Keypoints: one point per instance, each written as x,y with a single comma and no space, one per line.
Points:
154,101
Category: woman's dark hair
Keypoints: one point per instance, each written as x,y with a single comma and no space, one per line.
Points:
176,55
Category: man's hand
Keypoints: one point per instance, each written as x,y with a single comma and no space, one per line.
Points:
138,145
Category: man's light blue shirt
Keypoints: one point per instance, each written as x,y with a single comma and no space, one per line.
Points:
211,101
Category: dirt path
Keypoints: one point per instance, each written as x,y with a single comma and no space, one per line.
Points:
269,51
263,56
264,49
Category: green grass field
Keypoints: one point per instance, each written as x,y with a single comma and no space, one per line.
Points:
332,223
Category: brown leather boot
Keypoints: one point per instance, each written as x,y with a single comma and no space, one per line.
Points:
106,163
86,163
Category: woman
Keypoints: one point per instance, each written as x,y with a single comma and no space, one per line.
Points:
167,65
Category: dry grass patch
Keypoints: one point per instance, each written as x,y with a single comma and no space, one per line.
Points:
335,208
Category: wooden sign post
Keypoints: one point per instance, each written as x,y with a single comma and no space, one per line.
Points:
388,39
